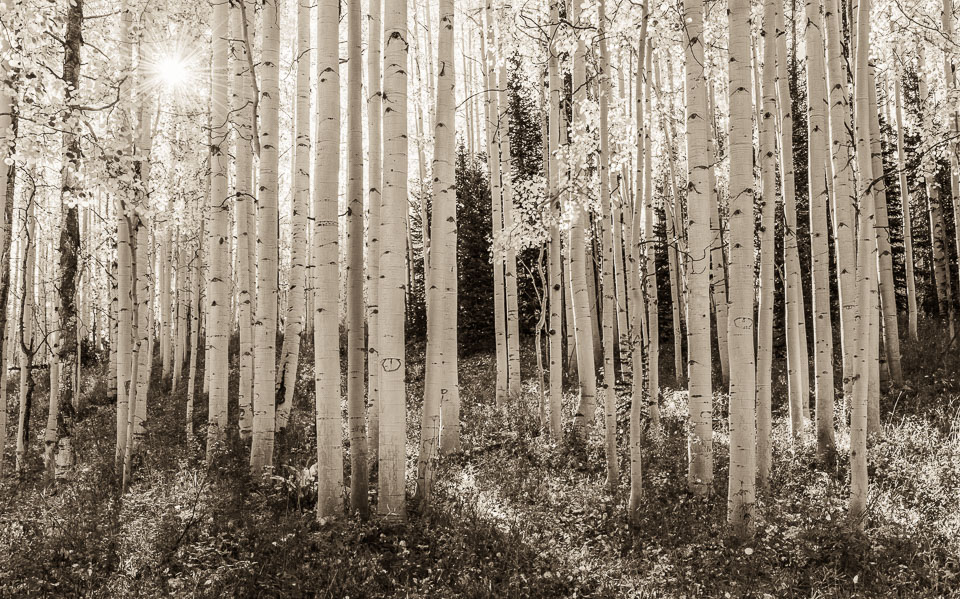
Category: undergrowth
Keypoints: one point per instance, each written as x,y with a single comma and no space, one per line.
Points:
515,514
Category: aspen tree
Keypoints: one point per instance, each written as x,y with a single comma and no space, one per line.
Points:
938,238
444,224
392,452
793,292
506,185
819,234
905,212
354,266
741,493
700,432
866,276
8,173
26,325
669,202
374,187
580,270
844,192
441,302
555,268
166,353
195,275
326,330
648,265
492,115
609,386
636,406
718,251
242,112
217,336
888,298
768,204
264,381
300,207
953,115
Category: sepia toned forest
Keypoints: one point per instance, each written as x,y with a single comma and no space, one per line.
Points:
479,298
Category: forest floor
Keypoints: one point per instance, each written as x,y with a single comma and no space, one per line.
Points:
515,515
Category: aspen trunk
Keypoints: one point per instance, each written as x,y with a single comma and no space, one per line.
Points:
866,278
555,268
579,268
391,288
642,174
8,123
844,192
326,329
649,263
888,297
374,186
217,336
265,324
492,114
741,495
242,94
439,407
793,292
768,205
27,347
609,387
300,206
195,275
819,234
718,251
905,214
354,267
700,433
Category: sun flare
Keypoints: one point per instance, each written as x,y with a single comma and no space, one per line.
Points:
172,71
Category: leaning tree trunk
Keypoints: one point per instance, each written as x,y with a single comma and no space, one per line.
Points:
819,234
392,464
265,374
866,352
793,290
442,302
579,269
905,215
888,297
608,292
492,114
844,192
27,345
700,428
300,207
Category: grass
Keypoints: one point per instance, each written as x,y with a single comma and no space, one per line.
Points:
515,515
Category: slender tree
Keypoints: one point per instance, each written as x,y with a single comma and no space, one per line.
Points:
700,434
392,465
265,375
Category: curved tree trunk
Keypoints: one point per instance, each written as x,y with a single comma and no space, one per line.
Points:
300,208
